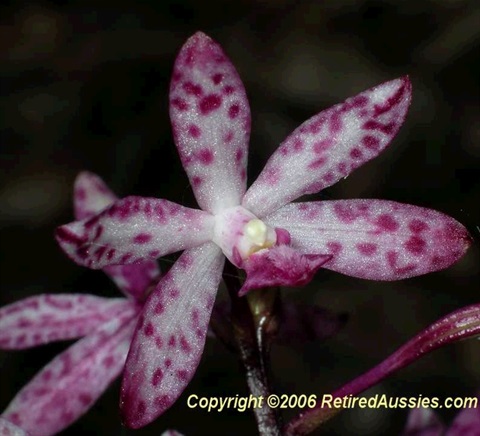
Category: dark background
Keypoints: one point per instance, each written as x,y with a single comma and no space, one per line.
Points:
84,85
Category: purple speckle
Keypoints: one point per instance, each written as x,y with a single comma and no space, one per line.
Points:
228,90
334,247
321,146
196,181
209,103
157,377
217,78
142,238
192,89
233,111
371,142
149,329
415,245
182,375
179,104
387,223
172,341
194,131
375,125
417,226
356,153
186,348
367,248
159,308
335,123
205,156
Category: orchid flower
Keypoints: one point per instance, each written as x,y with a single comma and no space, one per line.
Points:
69,385
425,422
277,242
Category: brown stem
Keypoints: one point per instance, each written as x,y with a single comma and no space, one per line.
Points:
252,336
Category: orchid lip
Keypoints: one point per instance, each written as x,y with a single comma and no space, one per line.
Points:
239,234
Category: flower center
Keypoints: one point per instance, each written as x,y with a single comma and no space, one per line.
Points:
239,234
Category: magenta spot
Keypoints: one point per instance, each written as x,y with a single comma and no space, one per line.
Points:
415,245
243,174
159,308
157,377
228,89
417,226
176,76
344,213
21,340
374,125
329,177
153,253
194,131
205,156
196,181
392,101
335,123
108,361
233,111
22,323
182,375
185,345
392,257
172,341
47,375
367,248
371,142
64,235
298,145
98,232
356,153
195,317
238,155
158,342
141,320
209,103
85,399
110,253
125,258
192,89
317,163
142,238
334,248
162,402
14,418
179,104
342,167
359,101
174,293
321,146
229,137
149,329
80,194
387,223
405,269
168,363
217,78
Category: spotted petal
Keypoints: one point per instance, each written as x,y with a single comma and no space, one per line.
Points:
280,266
91,196
9,429
210,118
68,386
423,422
170,335
132,230
330,146
47,318
374,239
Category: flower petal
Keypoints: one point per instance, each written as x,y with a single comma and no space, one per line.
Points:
170,335
46,318
374,239
132,230
423,422
210,118
280,266
467,422
9,429
68,386
330,146
91,196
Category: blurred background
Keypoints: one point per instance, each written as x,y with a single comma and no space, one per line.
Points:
84,85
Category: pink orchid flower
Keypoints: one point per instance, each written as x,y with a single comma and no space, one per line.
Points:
69,385
275,241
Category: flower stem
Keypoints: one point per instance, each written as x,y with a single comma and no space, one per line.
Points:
253,332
